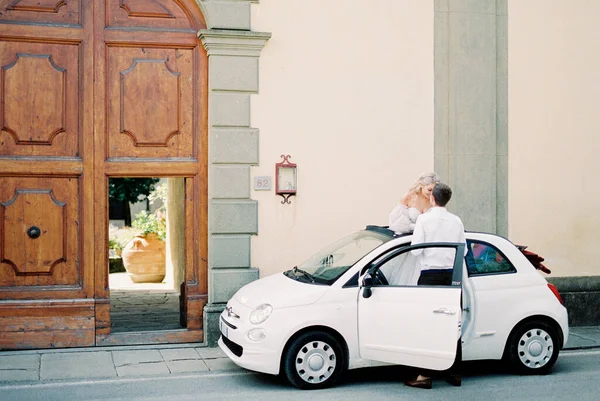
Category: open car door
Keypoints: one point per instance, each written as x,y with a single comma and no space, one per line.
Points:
409,324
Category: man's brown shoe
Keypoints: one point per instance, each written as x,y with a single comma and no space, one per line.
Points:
423,383
455,380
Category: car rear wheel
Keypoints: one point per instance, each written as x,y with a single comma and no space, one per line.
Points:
533,348
314,360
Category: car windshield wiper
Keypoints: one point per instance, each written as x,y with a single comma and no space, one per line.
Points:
304,273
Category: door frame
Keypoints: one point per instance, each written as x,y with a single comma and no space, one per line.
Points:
194,290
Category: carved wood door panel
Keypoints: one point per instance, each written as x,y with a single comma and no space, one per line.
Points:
39,232
150,102
92,89
40,87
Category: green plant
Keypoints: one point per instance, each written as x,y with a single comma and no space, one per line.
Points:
114,244
123,191
146,223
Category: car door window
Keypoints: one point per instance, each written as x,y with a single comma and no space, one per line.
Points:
353,281
485,259
403,268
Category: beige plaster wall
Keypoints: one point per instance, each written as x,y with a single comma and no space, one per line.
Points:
554,85
346,89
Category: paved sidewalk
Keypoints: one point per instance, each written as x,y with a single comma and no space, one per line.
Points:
128,361
110,362
582,337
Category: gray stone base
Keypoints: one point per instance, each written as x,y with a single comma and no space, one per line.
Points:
223,284
211,323
581,296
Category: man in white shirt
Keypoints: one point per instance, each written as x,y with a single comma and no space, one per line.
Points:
438,225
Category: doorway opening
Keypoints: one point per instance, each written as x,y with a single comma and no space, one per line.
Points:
146,229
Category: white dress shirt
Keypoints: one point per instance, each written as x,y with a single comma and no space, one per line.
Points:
437,225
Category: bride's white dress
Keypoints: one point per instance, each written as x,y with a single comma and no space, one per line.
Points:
404,269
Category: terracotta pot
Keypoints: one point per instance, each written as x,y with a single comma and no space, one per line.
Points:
144,259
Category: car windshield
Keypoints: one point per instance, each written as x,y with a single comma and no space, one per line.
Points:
330,263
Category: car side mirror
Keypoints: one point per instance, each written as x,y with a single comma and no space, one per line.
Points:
367,284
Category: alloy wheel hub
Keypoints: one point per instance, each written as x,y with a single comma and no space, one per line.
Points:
315,362
535,348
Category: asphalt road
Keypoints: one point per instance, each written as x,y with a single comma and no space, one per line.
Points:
575,376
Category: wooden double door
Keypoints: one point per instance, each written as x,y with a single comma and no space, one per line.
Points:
93,89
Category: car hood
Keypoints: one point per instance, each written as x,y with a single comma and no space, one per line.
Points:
279,291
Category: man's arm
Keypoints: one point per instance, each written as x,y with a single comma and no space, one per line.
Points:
418,236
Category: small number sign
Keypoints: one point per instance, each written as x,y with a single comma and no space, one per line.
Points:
262,183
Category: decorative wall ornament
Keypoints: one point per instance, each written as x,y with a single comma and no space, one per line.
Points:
285,179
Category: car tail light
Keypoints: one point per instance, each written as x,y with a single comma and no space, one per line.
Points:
556,293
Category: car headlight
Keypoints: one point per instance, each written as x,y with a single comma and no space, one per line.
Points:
260,313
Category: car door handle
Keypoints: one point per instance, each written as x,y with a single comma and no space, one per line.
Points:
444,311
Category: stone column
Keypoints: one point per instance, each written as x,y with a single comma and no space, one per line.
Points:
233,148
175,252
471,109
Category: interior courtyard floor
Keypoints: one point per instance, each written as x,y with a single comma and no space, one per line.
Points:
142,306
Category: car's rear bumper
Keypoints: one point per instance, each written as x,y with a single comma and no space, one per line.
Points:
563,321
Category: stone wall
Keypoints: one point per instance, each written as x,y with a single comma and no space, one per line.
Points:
471,109
233,51
581,296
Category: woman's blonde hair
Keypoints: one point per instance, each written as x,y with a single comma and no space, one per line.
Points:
425,179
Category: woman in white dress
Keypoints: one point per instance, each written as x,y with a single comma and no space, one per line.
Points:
416,201
406,269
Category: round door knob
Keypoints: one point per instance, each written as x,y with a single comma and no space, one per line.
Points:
34,232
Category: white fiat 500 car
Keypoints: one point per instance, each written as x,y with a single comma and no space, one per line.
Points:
357,304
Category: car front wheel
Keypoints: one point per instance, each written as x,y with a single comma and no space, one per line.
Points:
314,360
533,348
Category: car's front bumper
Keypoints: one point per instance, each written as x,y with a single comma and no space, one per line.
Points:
259,361
261,356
